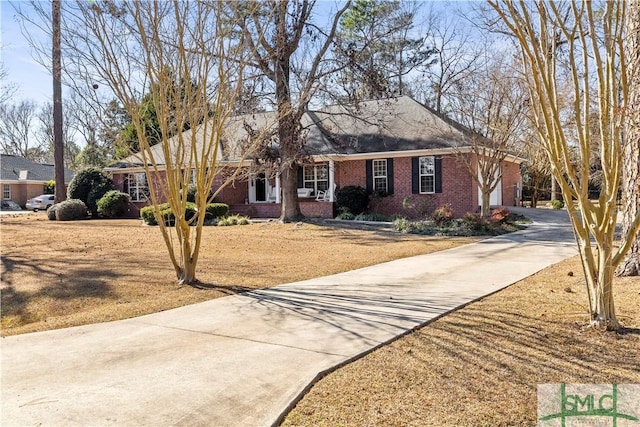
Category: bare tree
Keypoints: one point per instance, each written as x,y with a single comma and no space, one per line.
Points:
458,57
275,32
44,131
16,135
143,47
593,33
7,88
631,151
496,115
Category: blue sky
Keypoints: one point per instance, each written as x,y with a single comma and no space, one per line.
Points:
33,80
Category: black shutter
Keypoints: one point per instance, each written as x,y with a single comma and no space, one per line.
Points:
415,175
300,176
438,170
390,176
369,167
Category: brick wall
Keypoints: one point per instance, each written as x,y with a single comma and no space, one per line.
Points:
458,188
22,192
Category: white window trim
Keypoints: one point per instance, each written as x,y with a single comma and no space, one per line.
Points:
385,176
6,189
420,174
136,189
315,180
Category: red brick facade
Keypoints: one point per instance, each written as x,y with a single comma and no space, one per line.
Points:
458,190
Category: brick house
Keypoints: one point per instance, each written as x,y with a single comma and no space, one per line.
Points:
23,179
401,151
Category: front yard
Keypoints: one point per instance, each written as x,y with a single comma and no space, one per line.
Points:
58,274
478,366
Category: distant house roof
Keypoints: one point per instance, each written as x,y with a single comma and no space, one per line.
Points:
382,126
16,168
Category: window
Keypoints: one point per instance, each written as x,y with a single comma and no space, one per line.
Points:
316,177
136,186
6,191
380,181
427,175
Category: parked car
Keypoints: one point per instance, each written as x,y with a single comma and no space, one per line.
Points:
43,202
9,205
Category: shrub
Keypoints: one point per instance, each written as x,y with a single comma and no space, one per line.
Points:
371,217
51,212
50,187
345,215
233,220
148,215
191,193
71,209
216,210
89,185
499,215
557,204
474,222
353,199
443,215
113,204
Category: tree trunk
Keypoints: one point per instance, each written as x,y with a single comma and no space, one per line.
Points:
290,204
58,143
630,266
486,201
288,134
604,314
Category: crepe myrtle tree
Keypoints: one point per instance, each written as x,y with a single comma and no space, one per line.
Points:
596,66
144,47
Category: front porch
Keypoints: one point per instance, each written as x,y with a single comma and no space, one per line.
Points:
309,206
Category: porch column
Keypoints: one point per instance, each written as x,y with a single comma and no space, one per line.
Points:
278,192
332,181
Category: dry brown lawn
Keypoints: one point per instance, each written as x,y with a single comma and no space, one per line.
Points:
60,274
480,366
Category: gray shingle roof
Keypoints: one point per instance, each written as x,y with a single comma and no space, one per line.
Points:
12,165
396,124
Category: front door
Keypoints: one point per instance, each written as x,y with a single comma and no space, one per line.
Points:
261,188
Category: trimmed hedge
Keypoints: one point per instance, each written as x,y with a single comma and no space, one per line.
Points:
213,210
51,212
71,209
113,204
217,210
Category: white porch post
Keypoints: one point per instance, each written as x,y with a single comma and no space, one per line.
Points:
331,181
278,192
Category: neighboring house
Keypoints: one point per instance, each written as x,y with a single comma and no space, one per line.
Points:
401,151
23,179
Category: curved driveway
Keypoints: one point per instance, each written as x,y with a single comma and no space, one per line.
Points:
243,359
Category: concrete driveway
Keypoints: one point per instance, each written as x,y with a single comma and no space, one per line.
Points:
243,360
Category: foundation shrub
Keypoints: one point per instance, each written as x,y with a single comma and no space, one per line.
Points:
113,204
353,199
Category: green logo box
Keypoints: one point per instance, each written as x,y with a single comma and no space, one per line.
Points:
593,405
